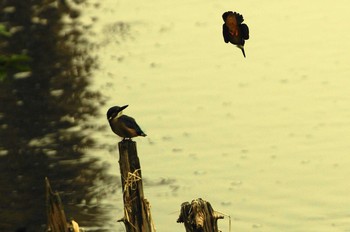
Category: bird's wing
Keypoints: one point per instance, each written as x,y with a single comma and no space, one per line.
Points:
131,123
239,17
244,31
225,33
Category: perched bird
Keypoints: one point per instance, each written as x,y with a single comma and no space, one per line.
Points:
234,30
123,125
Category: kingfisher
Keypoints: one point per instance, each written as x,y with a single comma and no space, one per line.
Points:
234,30
123,125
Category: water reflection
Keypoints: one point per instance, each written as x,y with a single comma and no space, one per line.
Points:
43,116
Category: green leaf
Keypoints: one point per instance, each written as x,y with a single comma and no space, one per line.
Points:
3,31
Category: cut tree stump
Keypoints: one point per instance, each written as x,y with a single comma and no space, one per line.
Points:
137,213
56,218
199,216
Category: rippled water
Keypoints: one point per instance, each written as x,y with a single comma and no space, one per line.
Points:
44,116
263,139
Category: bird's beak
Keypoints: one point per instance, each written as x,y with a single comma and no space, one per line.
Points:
123,107
242,49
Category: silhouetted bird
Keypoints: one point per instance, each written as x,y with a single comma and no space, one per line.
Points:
123,125
234,30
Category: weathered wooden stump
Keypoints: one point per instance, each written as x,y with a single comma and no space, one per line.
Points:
56,218
199,216
137,213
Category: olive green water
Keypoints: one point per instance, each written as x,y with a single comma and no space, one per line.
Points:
264,139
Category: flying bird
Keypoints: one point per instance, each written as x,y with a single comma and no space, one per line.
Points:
234,30
123,125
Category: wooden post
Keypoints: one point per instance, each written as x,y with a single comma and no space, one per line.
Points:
137,213
56,218
199,216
